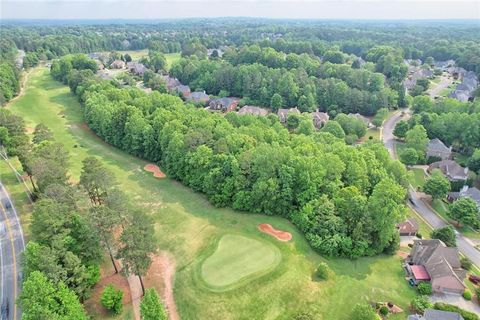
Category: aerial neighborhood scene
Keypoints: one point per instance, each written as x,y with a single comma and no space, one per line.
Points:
250,160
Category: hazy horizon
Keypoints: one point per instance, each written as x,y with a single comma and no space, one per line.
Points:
280,9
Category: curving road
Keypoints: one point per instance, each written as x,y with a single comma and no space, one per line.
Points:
12,245
465,246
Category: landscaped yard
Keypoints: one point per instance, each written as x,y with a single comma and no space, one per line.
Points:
416,177
190,228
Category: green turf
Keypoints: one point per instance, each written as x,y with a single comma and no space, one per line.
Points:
236,258
189,227
171,58
416,177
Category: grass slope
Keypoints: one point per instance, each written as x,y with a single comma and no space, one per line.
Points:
189,227
237,258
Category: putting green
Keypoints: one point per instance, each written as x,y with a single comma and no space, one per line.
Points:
238,258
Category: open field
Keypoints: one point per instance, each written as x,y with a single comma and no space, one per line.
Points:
171,58
189,228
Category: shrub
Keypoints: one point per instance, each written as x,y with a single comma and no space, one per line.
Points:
323,271
420,303
362,311
112,299
467,294
303,316
151,308
383,310
449,307
466,263
424,288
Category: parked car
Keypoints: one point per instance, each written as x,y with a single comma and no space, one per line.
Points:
474,279
8,205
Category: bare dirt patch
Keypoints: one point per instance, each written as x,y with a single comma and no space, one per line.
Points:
157,173
279,234
161,276
107,276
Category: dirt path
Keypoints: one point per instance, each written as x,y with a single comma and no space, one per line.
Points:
22,86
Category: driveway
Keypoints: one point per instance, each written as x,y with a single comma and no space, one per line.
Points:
445,81
456,300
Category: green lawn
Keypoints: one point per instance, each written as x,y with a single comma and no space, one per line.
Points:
416,177
171,58
238,259
373,132
441,208
423,228
189,228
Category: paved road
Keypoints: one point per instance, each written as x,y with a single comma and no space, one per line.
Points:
464,244
445,81
12,245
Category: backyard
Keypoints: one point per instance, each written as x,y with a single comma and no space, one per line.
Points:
189,228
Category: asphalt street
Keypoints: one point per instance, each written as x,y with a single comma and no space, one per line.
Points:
12,245
465,246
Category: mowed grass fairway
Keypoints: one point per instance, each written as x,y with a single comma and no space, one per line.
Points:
238,258
190,228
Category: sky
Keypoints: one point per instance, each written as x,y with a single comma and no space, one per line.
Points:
306,9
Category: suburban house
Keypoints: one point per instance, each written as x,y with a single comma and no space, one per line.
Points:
444,65
223,104
433,261
358,116
283,113
416,73
253,110
319,119
171,82
408,227
436,148
452,170
136,68
183,90
117,64
466,191
464,91
431,314
198,97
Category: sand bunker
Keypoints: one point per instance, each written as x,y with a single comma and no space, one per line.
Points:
157,173
280,235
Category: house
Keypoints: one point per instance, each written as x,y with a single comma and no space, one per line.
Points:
408,227
183,90
136,68
452,170
198,97
444,65
283,113
253,110
436,148
361,118
223,104
464,91
431,260
117,64
416,73
319,119
431,314
171,82
466,191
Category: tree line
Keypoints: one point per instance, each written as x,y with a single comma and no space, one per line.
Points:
72,225
254,164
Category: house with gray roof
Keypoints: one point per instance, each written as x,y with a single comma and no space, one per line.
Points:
253,110
433,261
136,68
283,113
170,82
319,119
198,97
444,65
431,314
183,90
466,192
117,64
436,148
223,104
464,91
452,170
